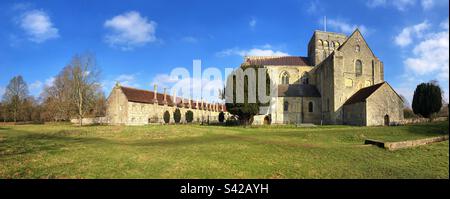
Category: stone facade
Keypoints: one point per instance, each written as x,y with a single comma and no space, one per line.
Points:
338,67
129,106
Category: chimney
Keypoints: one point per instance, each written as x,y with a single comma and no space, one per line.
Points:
174,97
155,93
165,95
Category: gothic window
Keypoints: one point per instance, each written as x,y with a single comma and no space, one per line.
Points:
357,48
310,107
358,67
319,43
286,106
285,78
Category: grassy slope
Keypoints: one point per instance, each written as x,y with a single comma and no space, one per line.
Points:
63,151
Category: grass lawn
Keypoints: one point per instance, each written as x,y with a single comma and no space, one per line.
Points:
193,151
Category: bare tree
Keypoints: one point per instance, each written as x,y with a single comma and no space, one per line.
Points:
57,97
83,75
15,95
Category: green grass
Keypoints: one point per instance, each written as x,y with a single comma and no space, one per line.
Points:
193,151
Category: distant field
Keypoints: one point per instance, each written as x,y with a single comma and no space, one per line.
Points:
194,151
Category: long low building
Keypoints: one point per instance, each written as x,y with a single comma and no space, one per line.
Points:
131,106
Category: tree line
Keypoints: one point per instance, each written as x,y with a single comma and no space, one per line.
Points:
74,92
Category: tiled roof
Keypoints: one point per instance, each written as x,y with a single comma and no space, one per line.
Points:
277,60
147,97
297,90
363,94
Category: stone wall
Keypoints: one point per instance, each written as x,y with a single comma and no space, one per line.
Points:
297,110
355,114
117,107
382,102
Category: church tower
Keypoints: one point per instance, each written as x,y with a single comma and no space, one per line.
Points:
323,44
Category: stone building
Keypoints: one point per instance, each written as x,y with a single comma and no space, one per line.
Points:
341,81
130,106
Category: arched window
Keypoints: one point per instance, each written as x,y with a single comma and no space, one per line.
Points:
358,67
331,44
285,78
310,107
357,48
286,106
319,43
325,44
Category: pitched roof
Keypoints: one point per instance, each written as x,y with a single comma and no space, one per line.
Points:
297,90
277,60
147,97
363,94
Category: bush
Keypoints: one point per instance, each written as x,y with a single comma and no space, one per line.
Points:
408,113
221,117
177,115
232,121
166,117
189,116
427,99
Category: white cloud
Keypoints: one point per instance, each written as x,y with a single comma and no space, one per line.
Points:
428,60
252,23
189,39
163,80
264,50
130,30
36,88
49,81
38,26
407,34
196,88
2,91
376,3
403,5
344,27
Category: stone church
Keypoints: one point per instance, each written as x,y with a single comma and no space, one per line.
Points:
341,81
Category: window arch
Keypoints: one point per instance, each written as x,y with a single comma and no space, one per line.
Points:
325,43
286,106
319,43
310,107
336,44
358,67
357,48
285,78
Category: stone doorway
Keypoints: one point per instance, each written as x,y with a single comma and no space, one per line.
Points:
386,120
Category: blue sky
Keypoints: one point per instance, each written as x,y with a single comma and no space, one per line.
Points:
139,42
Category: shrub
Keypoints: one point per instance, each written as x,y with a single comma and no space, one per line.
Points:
189,116
177,116
166,117
427,99
408,113
221,117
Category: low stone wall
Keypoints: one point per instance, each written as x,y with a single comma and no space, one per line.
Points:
89,121
391,146
419,120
